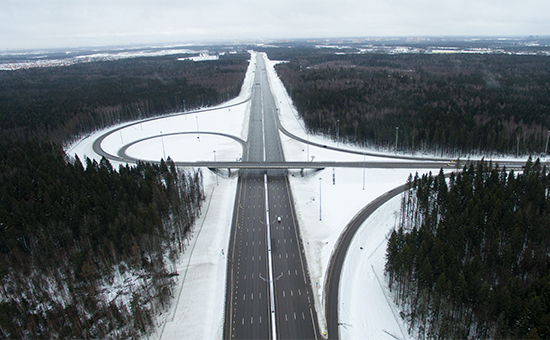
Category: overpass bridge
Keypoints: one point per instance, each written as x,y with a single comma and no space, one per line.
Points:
332,164
312,165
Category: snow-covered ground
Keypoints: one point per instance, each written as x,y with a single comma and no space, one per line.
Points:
325,202
43,61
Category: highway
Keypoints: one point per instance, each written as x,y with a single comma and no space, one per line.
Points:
268,293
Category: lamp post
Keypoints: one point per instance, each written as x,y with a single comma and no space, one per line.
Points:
307,146
364,166
396,134
162,140
198,134
320,206
548,138
338,132
216,172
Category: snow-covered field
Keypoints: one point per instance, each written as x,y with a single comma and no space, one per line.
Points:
37,60
325,202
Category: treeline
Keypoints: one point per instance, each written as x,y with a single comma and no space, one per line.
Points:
57,103
454,104
74,236
470,257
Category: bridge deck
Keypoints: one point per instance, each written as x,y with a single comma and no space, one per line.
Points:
316,165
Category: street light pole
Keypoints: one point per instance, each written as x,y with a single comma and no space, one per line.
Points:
546,150
338,132
364,166
162,140
307,146
216,171
198,134
320,206
396,134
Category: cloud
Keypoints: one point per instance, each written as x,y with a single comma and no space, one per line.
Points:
39,23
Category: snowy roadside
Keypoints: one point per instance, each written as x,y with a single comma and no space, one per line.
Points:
198,305
366,308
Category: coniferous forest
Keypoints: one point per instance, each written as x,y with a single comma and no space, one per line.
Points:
454,104
62,103
88,251
469,258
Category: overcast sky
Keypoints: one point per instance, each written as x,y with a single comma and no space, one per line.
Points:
28,24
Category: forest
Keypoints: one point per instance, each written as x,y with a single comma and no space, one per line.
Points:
86,250
469,256
448,104
63,103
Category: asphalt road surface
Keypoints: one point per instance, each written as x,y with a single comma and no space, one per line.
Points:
268,293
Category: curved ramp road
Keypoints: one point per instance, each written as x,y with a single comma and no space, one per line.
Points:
99,150
336,263
121,154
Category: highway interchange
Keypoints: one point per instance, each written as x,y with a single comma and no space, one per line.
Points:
268,290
